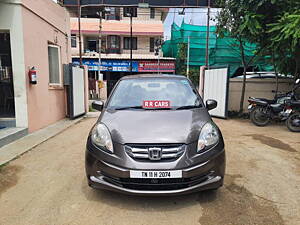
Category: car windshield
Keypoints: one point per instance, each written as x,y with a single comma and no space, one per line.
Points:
132,93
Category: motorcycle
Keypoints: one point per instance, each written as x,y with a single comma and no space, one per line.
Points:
293,121
262,111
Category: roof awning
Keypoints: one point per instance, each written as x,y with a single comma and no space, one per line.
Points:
91,26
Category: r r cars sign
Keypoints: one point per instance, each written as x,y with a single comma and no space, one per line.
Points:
156,104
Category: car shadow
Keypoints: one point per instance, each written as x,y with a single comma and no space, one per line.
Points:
157,203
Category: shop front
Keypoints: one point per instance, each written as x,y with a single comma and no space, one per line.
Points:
34,46
113,70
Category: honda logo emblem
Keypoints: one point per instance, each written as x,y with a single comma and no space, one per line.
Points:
155,154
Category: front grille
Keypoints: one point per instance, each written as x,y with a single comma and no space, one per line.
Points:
169,152
157,184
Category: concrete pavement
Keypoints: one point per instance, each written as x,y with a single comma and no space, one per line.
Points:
25,144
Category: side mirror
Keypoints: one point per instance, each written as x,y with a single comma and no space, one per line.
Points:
298,81
98,105
211,104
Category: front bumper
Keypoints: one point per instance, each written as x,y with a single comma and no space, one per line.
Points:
197,174
100,183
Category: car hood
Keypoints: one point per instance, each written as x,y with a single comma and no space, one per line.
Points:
155,126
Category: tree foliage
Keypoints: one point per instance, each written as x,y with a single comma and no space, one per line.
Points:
181,65
274,25
238,20
284,37
181,59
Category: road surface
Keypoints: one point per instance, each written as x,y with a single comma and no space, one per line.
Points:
47,185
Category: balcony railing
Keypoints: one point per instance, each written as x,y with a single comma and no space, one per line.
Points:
113,51
103,51
153,3
106,2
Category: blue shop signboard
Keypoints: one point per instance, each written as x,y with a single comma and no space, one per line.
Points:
108,65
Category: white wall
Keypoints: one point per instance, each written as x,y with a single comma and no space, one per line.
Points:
259,88
11,20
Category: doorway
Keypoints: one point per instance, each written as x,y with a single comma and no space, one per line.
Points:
7,103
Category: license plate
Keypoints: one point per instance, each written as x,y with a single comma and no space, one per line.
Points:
250,107
156,174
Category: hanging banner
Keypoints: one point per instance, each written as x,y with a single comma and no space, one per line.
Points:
108,65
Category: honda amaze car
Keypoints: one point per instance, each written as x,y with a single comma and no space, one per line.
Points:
155,137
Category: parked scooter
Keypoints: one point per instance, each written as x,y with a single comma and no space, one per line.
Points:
262,111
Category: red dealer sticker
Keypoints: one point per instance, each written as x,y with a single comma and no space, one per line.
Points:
156,104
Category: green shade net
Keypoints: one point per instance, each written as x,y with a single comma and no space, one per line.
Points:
222,51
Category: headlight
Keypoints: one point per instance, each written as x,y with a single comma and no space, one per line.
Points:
208,137
101,137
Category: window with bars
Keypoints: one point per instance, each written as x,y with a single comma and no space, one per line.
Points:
127,43
113,44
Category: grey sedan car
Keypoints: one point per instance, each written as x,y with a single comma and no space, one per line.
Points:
155,137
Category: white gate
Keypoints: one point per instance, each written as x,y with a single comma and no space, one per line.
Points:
216,86
77,107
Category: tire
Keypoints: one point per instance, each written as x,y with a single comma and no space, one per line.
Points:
258,118
289,122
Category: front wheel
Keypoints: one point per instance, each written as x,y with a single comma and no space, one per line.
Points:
260,116
293,122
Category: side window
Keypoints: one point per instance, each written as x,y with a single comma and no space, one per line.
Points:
127,43
54,65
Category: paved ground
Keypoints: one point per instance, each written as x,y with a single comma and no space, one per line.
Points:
47,185
24,144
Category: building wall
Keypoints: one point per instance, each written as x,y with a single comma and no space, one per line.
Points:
44,22
11,20
144,15
143,45
255,88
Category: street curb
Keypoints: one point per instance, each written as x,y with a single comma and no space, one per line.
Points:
19,147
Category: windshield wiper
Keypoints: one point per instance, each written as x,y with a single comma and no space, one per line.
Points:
129,107
159,108
188,107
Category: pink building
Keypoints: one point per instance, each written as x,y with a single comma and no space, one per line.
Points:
33,34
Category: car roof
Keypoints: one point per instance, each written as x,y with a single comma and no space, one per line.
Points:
140,76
